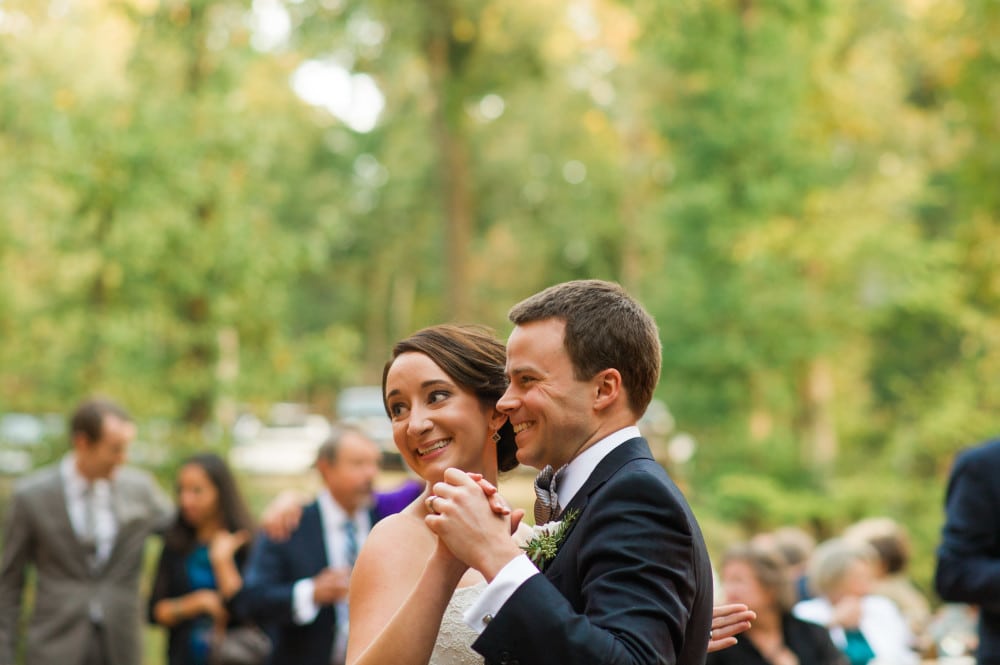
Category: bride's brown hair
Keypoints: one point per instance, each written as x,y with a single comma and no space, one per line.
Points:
472,357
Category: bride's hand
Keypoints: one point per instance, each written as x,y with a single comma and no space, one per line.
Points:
497,503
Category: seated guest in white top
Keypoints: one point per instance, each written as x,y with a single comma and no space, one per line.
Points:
866,627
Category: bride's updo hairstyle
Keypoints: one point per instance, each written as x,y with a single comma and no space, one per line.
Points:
474,359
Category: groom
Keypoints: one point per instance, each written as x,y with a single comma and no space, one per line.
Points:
631,581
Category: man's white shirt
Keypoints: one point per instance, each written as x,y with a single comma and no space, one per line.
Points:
520,569
105,525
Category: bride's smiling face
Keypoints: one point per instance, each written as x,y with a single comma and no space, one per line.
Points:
437,424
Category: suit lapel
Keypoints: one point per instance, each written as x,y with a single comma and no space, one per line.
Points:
125,513
312,524
629,450
54,504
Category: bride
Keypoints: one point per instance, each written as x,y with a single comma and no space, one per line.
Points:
440,388
408,592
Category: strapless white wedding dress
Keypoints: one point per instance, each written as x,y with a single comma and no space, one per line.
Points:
453,646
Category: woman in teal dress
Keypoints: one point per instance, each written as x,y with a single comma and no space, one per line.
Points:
203,552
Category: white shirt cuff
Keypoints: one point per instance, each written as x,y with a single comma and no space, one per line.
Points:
304,608
498,592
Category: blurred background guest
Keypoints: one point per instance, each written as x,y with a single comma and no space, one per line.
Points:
81,524
758,578
392,501
795,546
867,628
203,553
297,587
892,545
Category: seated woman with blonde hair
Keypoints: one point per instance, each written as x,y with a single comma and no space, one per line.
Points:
866,627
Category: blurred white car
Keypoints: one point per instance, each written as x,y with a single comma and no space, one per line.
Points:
27,439
286,445
362,407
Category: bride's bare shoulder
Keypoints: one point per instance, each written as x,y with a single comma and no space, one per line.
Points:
397,548
404,527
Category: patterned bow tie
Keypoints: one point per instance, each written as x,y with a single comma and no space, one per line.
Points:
546,501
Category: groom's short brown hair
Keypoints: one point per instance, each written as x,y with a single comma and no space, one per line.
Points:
605,328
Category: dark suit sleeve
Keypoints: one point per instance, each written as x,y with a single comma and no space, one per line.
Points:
744,654
160,507
266,595
636,576
968,565
17,546
828,653
724,657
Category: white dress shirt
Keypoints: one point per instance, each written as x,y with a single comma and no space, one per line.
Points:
881,623
105,525
517,572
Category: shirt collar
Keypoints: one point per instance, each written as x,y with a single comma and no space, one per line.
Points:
332,513
76,484
72,480
579,469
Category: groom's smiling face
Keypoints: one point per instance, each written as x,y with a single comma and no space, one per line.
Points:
550,409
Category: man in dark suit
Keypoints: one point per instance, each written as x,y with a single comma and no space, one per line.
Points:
297,588
82,523
968,565
630,581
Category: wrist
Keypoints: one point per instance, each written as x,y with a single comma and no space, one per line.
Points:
448,562
176,609
498,561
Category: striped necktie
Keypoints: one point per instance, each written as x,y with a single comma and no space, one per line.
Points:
351,540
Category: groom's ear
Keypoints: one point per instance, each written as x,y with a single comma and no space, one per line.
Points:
608,389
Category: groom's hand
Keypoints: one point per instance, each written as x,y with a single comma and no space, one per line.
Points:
465,522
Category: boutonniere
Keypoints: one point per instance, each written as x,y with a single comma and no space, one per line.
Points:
541,542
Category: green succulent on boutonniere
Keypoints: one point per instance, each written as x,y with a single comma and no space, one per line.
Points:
543,541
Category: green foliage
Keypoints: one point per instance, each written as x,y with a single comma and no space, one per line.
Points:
803,193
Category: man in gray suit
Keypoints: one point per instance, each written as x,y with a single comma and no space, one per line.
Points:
82,523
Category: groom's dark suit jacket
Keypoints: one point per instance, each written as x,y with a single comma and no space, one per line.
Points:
632,582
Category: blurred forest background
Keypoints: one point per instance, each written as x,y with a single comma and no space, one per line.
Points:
214,205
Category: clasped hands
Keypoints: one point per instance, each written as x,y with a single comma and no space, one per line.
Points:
473,521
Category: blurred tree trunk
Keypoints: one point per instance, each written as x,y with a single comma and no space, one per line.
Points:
633,198
377,320
200,352
444,57
818,429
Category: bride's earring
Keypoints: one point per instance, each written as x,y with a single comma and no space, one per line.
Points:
496,437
